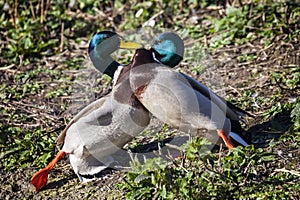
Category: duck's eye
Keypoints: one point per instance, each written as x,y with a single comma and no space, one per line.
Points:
157,41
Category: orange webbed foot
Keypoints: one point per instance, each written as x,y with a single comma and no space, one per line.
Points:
39,179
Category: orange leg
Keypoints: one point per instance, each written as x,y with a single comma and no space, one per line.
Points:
225,138
39,180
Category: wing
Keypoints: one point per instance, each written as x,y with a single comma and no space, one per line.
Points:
232,112
84,112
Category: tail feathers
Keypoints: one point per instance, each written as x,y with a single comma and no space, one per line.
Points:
90,167
90,177
39,180
238,138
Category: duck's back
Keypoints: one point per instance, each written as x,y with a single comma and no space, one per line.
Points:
170,97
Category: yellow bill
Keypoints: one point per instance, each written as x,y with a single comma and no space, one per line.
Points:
129,45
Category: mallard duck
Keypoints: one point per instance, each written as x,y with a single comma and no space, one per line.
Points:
177,99
105,125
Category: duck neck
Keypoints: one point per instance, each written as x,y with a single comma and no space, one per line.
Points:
142,56
105,65
168,58
110,70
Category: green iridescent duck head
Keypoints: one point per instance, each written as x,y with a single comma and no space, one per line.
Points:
102,45
168,49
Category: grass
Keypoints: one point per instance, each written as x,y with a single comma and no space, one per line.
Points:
247,53
243,173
